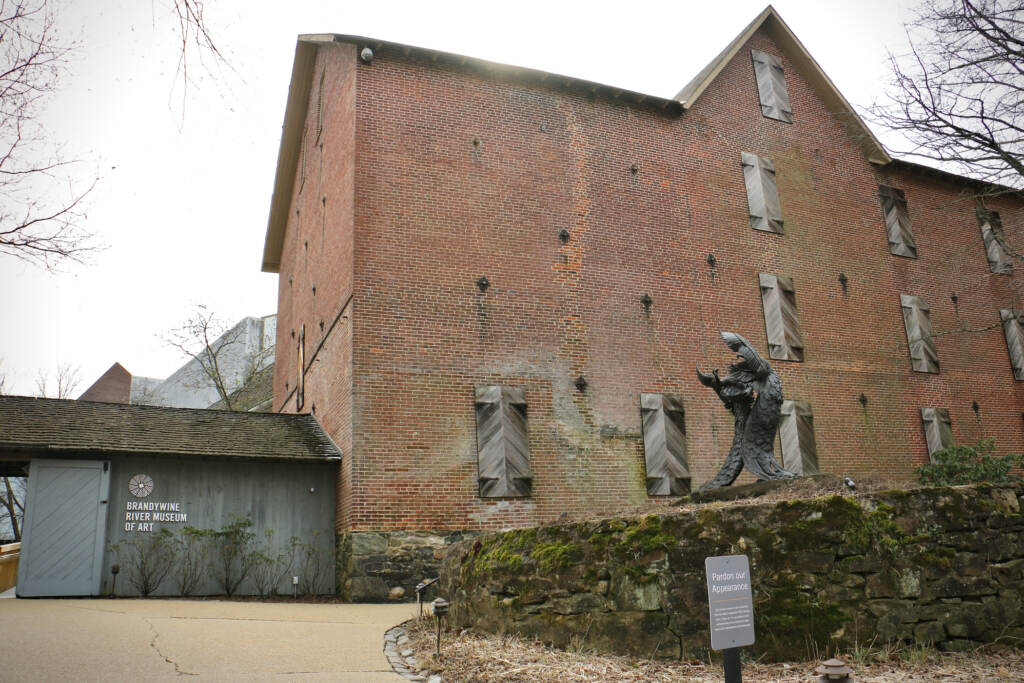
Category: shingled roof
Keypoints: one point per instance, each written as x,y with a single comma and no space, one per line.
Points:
44,426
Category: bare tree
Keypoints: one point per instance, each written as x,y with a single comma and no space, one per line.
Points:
224,356
63,384
43,194
12,505
41,211
958,96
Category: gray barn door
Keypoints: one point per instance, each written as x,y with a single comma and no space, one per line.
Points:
65,528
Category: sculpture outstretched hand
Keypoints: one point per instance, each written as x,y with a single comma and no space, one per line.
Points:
753,392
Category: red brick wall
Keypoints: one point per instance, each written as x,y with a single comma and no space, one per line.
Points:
317,253
457,175
113,386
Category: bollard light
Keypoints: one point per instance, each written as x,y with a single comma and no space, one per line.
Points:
115,569
440,609
834,670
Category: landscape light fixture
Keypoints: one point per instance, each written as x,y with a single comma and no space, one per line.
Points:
440,609
115,569
833,670
420,587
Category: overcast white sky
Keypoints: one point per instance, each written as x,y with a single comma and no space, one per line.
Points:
182,201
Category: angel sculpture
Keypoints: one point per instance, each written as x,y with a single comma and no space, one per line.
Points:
753,392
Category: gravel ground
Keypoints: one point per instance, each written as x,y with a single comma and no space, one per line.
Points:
484,658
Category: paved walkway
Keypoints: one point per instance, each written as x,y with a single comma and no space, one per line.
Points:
156,640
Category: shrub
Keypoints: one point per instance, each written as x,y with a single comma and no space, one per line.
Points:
966,464
233,553
148,559
194,553
270,567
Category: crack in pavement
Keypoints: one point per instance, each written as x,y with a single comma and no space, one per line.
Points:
152,644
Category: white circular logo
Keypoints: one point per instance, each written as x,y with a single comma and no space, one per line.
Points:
141,485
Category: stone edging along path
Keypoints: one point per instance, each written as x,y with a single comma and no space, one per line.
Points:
401,658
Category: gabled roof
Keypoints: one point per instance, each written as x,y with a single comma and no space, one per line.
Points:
302,81
809,69
56,427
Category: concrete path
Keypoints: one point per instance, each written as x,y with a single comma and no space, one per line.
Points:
157,640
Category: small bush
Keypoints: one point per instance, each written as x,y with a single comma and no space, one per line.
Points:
270,567
965,464
148,559
233,553
194,552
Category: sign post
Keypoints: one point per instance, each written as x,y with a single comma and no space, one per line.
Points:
731,607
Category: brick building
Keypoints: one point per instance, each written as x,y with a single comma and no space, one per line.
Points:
495,284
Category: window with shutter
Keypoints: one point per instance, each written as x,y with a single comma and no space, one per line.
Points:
771,86
664,425
762,193
796,434
897,222
999,260
503,450
300,383
938,430
1014,340
780,321
923,355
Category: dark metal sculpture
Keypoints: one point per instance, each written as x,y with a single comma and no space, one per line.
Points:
753,392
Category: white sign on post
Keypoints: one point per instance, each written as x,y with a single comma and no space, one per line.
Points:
730,601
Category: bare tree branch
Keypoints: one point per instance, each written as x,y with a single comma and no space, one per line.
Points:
65,382
41,204
212,344
958,95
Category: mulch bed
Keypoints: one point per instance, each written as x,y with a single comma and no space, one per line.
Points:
475,657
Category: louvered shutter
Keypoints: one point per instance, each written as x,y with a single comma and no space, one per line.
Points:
923,355
938,430
762,193
796,434
664,425
1014,340
771,86
780,320
503,450
897,222
998,260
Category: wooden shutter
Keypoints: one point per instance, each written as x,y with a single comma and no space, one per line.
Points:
771,86
780,319
503,450
1014,340
664,425
938,430
796,434
762,193
991,230
897,222
923,355
300,381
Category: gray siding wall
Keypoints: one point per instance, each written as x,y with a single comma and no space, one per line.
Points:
293,499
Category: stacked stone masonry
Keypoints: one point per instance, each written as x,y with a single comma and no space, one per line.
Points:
616,241
935,566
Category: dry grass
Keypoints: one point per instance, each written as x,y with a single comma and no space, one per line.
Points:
480,658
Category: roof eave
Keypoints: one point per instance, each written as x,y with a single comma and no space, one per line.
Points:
287,155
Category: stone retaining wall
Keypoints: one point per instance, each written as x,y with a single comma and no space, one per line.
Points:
930,565
386,565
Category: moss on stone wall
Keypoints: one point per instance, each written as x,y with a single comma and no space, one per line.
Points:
917,565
